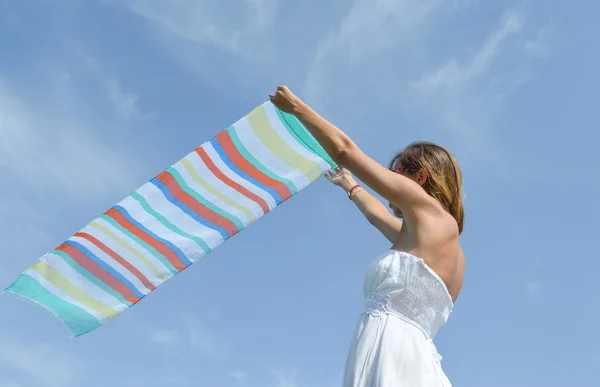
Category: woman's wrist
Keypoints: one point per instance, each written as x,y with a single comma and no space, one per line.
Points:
347,185
302,110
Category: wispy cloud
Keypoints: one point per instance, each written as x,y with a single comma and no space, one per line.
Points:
199,339
465,95
540,46
189,333
383,47
44,364
369,31
159,377
165,337
240,376
455,74
533,288
238,28
58,152
125,103
285,378
9,383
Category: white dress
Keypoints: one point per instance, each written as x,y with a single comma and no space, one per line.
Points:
406,304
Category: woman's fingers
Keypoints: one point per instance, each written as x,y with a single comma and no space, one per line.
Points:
331,175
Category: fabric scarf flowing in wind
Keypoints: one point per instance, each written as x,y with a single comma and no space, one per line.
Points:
174,219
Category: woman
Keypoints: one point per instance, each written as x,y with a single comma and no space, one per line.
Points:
410,290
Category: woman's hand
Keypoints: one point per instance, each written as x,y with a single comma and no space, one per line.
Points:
341,177
286,101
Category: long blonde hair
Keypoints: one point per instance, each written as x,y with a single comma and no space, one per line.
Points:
444,177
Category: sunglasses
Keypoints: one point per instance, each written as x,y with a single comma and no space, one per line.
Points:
402,169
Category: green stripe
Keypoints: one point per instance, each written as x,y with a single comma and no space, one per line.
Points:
56,278
206,185
244,152
76,319
128,247
267,134
92,278
296,129
140,199
146,246
202,200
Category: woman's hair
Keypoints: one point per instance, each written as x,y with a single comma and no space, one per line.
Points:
444,178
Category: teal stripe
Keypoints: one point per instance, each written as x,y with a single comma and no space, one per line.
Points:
217,210
92,278
296,129
146,246
165,222
76,319
244,152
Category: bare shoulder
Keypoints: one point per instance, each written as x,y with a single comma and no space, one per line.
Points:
436,229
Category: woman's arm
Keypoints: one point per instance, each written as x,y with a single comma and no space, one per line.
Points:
375,211
403,192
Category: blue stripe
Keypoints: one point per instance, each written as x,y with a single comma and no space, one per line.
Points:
243,174
182,257
90,277
105,266
183,207
142,243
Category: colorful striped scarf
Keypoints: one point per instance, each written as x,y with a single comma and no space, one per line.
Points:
174,219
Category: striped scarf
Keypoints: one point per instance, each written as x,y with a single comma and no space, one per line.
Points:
174,219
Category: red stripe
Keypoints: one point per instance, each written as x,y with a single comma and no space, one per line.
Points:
159,246
246,166
169,181
221,176
117,258
99,272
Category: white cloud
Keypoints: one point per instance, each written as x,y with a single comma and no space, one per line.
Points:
175,378
125,103
240,376
539,46
239,28
191,335
46,365
165,337
198,337
9,383
48,150
370,30
533,288
158,377
465,96
374,62
285,378
454,74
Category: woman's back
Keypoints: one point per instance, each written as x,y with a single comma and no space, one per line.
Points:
434,236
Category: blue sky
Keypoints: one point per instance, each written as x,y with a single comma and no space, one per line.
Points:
96,97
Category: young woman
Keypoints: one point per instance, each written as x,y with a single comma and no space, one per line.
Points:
410,289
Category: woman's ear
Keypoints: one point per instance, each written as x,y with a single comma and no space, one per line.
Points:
421,177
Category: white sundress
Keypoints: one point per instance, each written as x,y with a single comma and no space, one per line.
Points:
406,304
